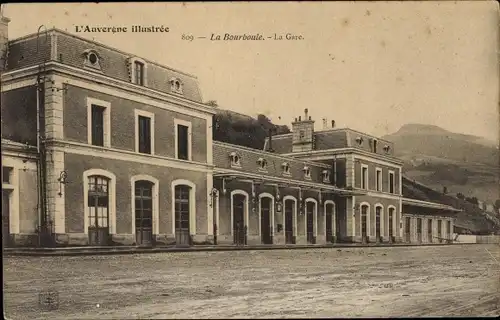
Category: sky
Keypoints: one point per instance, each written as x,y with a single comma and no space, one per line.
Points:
370,66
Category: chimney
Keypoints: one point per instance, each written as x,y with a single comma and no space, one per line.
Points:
303,133
270,148
4,39
333,123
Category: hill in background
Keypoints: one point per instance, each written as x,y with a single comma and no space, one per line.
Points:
439,158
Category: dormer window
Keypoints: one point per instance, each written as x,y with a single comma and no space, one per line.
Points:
359,140
326,176
176,85
138,71
235,159
286,168
375,145
92,59
262,164
387,148
307,172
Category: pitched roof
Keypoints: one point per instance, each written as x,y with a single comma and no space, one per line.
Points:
332,139
249,162
69,49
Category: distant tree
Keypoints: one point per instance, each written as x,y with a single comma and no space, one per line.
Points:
472,200
445,190
497,204
244,131
460,196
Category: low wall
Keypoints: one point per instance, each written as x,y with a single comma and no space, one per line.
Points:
488,239
465,238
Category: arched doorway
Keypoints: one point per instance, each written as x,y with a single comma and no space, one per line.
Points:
329,216
378,234
239,227
419,230
391,225
364,221
182,207
440,238
407,230
289,221
265,220
98,210
429,230
310,211
144,212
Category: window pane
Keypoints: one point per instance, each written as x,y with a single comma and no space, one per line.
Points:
147,223
138,203
6,174
102,202
91,212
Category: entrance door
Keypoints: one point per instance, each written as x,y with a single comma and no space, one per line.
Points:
182,234
289,208
329,222
265,220
440,237
310,222
144,213
429,230
391,226
377,224
98,215
5,218
364,228
239,232
407,230
448,230
419,230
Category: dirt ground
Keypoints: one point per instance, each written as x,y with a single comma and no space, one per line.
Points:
354,282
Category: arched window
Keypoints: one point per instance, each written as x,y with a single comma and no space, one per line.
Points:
98,209
392,220
144,211
378,223
364,221
176,85
286,168
182,212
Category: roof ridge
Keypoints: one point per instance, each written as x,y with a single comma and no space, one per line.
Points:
67,33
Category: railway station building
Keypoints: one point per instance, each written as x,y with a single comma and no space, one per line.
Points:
101,147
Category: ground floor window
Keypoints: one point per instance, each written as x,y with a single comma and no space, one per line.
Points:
182,211
330,216
377,223
98,210
143,212
364,227
429,230
391,222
